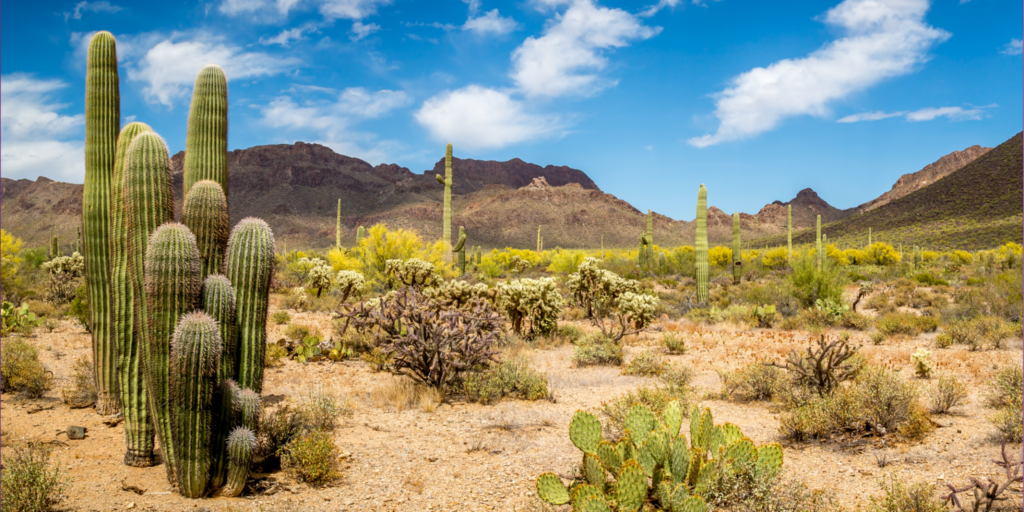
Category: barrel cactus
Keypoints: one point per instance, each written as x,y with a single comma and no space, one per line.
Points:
206,145
194,363
102,124
205,212
701,245
250,265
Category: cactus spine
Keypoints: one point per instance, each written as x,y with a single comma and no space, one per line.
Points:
241,447
817,253
172,289
446,227
701,245
737,249
142,187
102,123
360,234
250,265
194,363
205,212
789,230
337,227
206,145
460,249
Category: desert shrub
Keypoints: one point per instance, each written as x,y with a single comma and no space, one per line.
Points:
432,347
778,293
273,355
563,261
755,381
929,280
21,371
312,457
906,324
29,483
923,365
597,350
947,394
676,385
1004,393
976,333
512,378
381,245
320,409
776,259
785,496
823,367
883,254
82,391
630,313
764,316
720,256
296,332
646,364
880,303
280,317
810,284
531,305
674,342
79,308
899,497
9,257
296,299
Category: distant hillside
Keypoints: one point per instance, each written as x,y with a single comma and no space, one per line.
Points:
931,173
978,206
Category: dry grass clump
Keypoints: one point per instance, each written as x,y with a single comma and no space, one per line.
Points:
674,342
977,333
511,378
82,391
597,350
947,394
899,497
755,381
675,384
646,364
1004,394
401,393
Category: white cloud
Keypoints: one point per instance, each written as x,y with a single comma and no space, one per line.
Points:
170,68
331,122
350,9
236,7
1014,47
474,6
562,61
869,116
37,139
359,30
953,113
286,37
652,10
490,23
884,39
81,7
478,117
330,9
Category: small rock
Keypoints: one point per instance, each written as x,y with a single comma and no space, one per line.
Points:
131,505
76,432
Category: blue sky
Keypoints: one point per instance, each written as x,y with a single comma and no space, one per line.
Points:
756,99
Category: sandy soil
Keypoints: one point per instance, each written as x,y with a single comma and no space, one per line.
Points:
469,457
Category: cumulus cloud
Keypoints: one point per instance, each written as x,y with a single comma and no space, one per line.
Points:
564,60
478,117
330,9
953,113
1014,47
169,68
37,139
883,39
83,7
359,30
652,10
350,9
869,116
331,122
490,23
288,36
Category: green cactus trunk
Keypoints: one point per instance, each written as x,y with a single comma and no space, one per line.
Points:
360,234
869,237
194,363
789,231
337,228
446,227
54,247
817,253
205,212
538,240
602,247
241,448
737,249
226,405
102,123
144,200
250,265
701,245
173,283
206,145
460,249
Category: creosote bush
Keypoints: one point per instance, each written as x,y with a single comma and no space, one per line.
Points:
21,371
755,381
597,350
82,391
29,483
947,394
511,378
312,457
281,317
646,364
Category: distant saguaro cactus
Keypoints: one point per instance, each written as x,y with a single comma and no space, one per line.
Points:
250,265
789,230
337,227
737,249
650,239
869,238
206,145
102,123
460,249
817,253
360,234
446,227
701,245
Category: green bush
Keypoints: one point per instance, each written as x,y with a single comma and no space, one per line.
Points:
1005,393
280,317
977,333
512,378
907,324
20,369
674,342
312,457
810,284
274,354
755,381
646,364
296,332
597,350
79,308
900,498
29,483
676,386
929,280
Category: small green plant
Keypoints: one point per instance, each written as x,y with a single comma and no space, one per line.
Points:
296,332
674,342
312,457
280,317
18,319
29,483
765,316
597,350
274,354
646,364
20,369
923,366
511,378
320,410
901,498
1005,392
308,350
947,394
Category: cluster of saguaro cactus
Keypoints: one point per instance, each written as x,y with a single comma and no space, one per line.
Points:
446,227
653,466
701,245
460,249
737,249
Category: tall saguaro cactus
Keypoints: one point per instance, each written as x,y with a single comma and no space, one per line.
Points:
206,145
650,239
539,248
205,212
869,237
194,363
250,265
172,289
360,234
446,227
737,248
102,123
701,245
143,201
337,228
789,230
817,252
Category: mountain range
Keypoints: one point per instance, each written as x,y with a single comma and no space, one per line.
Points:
296,188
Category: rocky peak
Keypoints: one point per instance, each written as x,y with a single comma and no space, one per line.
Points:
538,183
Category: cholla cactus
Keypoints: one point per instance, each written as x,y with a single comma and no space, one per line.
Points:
519,265
654,450
349,282
923,365
594,289
64,274
412,272
320,276
458,294
637,309
536,300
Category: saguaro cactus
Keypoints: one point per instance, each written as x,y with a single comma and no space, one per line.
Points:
446,227
206,145
54,246
144,201
250,265
789,230
817,252
241,447
205,212
172,289
102,123
218,300
194,363
650,239
701,245
737,249
539,246
337,227
460,249
360,234
869,237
